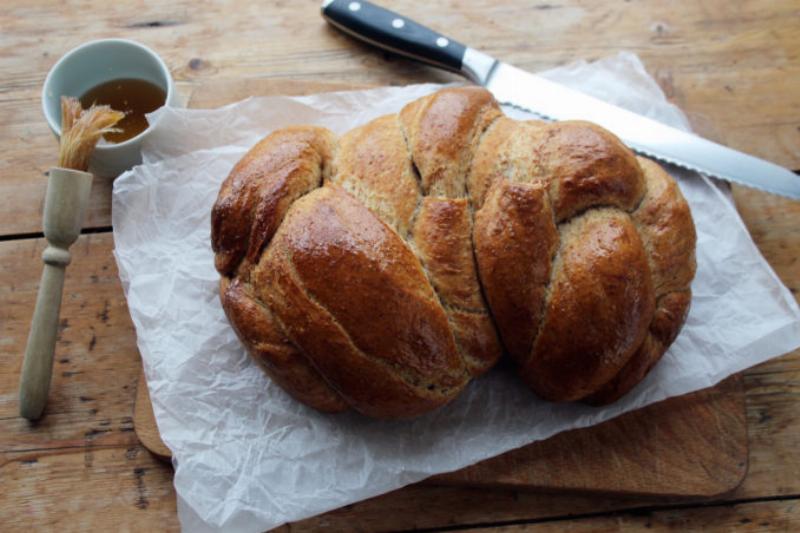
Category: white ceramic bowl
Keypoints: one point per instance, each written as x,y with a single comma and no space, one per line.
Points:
96,62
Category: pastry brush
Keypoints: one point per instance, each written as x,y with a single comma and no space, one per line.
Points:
68,187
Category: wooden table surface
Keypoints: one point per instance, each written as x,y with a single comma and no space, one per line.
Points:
734,67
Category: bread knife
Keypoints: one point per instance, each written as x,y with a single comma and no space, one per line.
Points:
550,100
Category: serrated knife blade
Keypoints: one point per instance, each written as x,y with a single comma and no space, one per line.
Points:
513,86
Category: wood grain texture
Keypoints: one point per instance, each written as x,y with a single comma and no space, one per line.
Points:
778,516
694,445
96,361
99,489
89,423
710,57
733,67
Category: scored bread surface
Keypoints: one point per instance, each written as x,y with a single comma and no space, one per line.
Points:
382,270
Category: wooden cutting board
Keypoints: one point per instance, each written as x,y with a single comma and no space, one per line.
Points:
691,446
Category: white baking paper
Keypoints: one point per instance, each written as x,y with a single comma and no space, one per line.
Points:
247,457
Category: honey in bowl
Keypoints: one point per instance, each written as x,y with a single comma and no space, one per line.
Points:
133,97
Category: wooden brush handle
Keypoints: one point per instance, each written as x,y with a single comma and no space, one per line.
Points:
64,207
37,366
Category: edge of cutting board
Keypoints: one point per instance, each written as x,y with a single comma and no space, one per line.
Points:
656,455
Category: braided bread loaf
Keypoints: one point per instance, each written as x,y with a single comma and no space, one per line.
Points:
382,270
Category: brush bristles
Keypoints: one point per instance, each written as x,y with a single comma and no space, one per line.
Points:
81,131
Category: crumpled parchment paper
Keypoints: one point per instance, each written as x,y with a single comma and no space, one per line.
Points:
247,457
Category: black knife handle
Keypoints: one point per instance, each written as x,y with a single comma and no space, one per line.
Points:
393,32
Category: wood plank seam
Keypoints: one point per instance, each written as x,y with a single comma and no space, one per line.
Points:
643,510
40,235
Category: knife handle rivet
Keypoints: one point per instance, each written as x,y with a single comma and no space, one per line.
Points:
441,42
398,23
354,6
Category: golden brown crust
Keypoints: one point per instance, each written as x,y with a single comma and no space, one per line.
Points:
582,164
670,314
357,271
490,162
273,351
373,165
665,224
442,234
260,189
354,298
362,273
515,241
362,382
588,167
599,307
442,130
